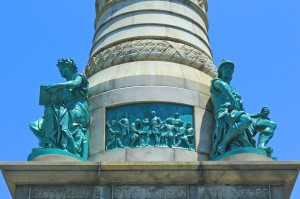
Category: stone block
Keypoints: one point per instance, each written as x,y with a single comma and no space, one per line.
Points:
113,24
143,68
63,191
22,192
203,157
137,5
152,80
277,192
150,154
185,155
105,75
189,10
97,129
193,75
146,94
230,192
203,128
188,38
118,155
134,32
105,15
145,73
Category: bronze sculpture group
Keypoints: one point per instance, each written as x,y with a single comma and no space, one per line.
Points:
234,128
65,122
152,131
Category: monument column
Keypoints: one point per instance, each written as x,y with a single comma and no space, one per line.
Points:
150,70
150,55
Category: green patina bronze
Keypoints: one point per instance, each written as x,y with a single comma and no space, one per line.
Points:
150,125
66,117
234,128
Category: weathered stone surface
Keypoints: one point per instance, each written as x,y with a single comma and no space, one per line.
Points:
150,192
63,192
241,175
145,73
203,124
113,156
97,129
186,155
230,192
126,15
148,94
150,154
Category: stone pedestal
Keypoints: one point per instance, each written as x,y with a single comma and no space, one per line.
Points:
152,180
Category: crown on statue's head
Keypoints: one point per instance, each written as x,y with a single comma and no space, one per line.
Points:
64,61
67,62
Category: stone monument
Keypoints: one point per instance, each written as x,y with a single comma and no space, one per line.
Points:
153,131
150,69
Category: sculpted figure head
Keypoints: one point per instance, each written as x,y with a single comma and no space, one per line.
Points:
66,66
188,125
226,69
113,122
153,114
176,115
138,123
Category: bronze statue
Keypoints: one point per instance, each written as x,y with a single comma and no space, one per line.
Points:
65,121
234,128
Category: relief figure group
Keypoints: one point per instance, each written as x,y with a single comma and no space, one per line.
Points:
152,131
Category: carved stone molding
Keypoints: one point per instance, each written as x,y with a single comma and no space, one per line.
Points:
100,6
150,49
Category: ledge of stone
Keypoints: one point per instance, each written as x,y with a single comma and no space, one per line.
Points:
283,173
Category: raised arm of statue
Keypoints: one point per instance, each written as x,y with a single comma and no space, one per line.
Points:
73,83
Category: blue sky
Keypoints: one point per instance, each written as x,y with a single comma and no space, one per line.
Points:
262,38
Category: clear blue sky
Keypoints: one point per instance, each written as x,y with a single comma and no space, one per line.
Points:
262,37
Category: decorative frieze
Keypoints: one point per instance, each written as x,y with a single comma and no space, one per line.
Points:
150,49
